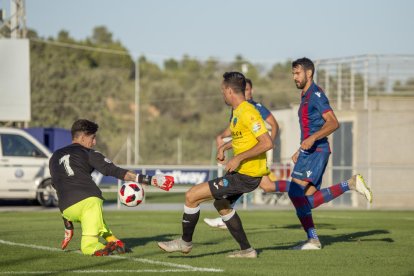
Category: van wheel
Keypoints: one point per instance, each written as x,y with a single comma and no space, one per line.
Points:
46,194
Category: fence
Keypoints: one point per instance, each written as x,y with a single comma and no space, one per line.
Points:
352,80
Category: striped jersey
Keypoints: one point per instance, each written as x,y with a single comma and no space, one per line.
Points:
313,105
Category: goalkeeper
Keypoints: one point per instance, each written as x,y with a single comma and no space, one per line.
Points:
80,200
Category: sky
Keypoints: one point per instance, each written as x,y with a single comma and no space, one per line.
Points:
259,30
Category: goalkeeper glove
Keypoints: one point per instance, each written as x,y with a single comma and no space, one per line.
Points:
164,182
68,233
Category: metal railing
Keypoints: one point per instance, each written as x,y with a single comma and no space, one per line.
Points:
352,80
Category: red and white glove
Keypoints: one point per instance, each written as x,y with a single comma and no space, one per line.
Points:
164,182
68,233
68,237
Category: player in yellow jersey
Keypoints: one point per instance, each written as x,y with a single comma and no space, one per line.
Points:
250,141
267,183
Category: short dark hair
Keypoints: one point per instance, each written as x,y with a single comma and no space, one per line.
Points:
235,80
306,63
249,81
85,126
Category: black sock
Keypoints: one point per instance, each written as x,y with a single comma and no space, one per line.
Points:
235,227
189,222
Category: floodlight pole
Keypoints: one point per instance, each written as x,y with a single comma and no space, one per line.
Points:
18,19
137,107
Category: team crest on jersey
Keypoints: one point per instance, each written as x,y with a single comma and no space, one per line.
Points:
256,127
224,182
234,121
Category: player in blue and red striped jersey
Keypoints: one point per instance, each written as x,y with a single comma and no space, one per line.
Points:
317,121
314,196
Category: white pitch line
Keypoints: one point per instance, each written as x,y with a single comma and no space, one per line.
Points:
94,271
141,260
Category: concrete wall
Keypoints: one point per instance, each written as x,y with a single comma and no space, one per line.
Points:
385,151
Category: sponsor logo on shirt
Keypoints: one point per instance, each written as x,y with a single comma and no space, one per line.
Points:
298,173
318,94
236,135
256,127
308,173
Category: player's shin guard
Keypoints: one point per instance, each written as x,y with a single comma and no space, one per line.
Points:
327,194
303,209
189,222
234,224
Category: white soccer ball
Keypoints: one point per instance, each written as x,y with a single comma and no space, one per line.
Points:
131,194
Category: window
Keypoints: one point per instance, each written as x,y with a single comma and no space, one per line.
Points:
16,145
342,157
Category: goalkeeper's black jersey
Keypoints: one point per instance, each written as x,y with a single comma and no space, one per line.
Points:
71,167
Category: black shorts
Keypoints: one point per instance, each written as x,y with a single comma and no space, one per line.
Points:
232,186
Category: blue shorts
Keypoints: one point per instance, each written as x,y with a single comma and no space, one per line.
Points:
311,166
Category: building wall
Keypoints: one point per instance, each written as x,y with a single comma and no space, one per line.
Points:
385,152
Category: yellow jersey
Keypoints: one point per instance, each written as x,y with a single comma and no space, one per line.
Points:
246,125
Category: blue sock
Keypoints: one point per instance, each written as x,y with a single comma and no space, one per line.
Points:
312,233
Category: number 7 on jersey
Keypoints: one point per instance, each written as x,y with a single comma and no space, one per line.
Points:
66,164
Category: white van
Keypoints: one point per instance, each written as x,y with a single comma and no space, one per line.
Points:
24,168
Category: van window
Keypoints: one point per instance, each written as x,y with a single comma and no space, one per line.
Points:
16,145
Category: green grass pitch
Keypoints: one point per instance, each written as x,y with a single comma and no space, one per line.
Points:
355,243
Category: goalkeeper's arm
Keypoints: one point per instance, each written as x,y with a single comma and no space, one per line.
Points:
68,233
164,182
98,161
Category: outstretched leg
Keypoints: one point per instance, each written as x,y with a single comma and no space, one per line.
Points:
319,197
193,198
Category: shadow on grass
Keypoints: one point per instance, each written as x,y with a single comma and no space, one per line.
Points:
142,241
136,242
291,226
362,236
326,241
329,240
355,237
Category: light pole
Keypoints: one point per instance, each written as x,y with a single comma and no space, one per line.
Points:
136,142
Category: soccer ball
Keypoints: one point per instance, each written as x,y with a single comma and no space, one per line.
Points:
131,194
